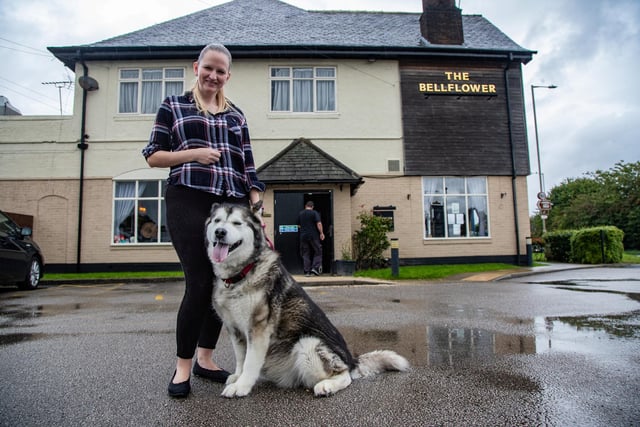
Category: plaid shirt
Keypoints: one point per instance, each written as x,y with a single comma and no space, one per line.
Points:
179,126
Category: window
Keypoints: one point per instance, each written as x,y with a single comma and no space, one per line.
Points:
143,89
139,214
455,207
303,89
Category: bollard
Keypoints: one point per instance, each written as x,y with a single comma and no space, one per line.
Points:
529,252
395,261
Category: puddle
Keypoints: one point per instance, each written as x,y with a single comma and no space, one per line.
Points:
450,346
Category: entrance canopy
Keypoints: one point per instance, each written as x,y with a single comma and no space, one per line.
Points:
304,163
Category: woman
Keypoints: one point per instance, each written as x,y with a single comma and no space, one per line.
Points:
204,139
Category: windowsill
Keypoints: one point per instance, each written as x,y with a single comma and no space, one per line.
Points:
141,245
287,115
455,240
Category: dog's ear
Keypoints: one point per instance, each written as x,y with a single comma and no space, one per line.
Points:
213,208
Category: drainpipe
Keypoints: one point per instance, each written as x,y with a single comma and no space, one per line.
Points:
513,159
83,146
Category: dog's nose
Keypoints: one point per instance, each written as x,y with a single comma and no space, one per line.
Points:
220,233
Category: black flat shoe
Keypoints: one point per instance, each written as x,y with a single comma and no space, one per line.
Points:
219,376
179,390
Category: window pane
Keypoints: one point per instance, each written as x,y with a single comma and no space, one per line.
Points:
280,96
164,230
478,224
454,185
434,221
326,96
456,217
325,72
148,188
477,185
129,74
173,88
303,73
432,185
280,72
148,221
152,74
123,221
303,95
125,189
174,73
128,98
151,97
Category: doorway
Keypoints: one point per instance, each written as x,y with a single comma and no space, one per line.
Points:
288,205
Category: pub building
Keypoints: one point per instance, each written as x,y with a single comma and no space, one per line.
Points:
418,117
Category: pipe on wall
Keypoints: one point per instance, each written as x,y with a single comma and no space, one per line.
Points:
83,146
514,175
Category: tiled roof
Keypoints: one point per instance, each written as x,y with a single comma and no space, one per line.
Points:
304,163
273,24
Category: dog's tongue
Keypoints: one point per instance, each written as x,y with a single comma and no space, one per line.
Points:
220,252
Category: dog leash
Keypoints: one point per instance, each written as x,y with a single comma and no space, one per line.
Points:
269,242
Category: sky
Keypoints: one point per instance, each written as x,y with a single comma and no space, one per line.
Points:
589,49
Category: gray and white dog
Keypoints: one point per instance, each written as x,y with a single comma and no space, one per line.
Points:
278,333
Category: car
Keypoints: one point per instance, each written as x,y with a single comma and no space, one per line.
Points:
21,260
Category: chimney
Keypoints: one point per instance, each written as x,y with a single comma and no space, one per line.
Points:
441,22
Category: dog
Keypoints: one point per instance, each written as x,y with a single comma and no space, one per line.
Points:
278,333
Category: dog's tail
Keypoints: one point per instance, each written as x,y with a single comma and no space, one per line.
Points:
378,361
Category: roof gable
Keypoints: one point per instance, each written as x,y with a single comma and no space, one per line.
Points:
302,162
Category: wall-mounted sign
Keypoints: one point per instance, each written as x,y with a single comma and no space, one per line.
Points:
457,83
288,229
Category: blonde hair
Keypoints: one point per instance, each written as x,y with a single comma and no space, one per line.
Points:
222,101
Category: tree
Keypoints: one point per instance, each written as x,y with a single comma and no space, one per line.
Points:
600,198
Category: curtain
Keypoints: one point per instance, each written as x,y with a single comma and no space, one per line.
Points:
433,194
280,95
128,97
326,96
124,208
477,189
151,97
303,95
173,88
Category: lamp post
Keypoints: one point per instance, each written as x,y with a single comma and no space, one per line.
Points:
535,125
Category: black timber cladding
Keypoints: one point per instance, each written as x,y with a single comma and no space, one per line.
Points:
453,133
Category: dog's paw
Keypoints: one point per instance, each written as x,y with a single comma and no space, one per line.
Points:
232,378
236,390
324,388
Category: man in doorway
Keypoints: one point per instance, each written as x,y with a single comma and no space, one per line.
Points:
311,235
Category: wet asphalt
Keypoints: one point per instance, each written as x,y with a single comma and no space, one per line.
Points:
553,348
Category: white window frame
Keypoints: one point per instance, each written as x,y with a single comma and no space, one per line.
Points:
316,79
456,221
132,202
139,80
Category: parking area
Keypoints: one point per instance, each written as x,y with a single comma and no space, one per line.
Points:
521,351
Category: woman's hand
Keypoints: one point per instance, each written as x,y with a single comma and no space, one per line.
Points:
165,159
205,156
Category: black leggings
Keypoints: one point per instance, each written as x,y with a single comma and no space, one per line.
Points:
187,210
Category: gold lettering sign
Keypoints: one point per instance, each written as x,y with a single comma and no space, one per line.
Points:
457,84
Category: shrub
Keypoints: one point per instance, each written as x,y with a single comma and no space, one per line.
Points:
371,241
557,245
597,245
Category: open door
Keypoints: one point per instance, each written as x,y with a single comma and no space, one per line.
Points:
288,205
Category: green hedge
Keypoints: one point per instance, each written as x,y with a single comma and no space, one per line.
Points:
585,246
557,245
597,245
